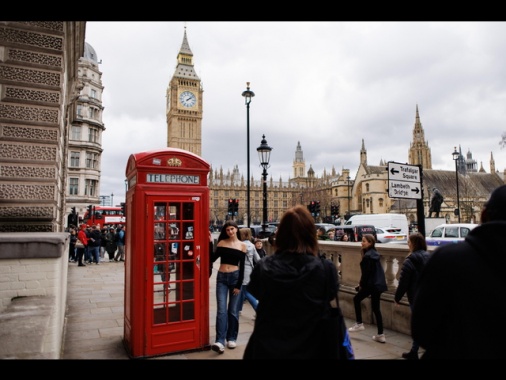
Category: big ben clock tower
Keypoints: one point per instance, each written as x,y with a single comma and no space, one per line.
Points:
184,104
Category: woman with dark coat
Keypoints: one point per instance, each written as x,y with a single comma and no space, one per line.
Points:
410,271
293,294
372,283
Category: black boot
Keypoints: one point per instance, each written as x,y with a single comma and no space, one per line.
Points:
411,355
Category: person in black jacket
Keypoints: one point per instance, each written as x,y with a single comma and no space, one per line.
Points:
460,302
293,294
94,243
410,271
372,283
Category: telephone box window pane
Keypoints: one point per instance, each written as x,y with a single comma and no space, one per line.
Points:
174,211
188,228
188,311
159,231
188,290
160,211
188,211
188,251
188,270
174,231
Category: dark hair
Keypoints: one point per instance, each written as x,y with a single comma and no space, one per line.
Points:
223,232
296,232
495,208
418,242
370,238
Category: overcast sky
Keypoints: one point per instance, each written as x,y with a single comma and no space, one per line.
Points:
329,85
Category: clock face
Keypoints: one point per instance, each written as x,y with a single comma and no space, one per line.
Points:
187,99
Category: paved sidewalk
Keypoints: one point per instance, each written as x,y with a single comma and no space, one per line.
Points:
94,321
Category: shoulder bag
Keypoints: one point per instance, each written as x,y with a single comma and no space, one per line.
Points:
79,244
335,332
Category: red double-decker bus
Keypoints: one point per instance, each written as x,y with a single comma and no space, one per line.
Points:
104,215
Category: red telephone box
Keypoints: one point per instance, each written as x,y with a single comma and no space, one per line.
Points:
167,253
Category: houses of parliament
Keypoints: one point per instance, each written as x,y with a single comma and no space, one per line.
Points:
366,193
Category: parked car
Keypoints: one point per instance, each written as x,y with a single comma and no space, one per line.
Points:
391,235
354,232
449,233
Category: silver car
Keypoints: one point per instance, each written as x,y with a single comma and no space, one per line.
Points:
390,235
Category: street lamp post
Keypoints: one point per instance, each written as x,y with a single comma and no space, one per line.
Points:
248,94
348,178
264,154
455,156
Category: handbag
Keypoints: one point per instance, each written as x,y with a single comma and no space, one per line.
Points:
335,332
79,244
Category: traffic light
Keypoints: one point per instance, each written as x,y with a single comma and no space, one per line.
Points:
312,207
236,207
230,209
90,211
123,208
332,209
317,208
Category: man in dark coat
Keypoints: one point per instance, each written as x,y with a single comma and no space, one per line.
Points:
460,302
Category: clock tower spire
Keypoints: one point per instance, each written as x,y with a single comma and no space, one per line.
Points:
184,104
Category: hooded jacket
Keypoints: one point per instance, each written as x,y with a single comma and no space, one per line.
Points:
410,272
460,302
293,293
372,273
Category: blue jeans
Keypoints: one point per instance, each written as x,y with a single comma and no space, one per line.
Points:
245,295
94,253
227,318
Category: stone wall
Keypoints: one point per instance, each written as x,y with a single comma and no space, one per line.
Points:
33,294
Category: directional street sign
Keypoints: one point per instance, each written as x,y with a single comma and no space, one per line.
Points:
404,181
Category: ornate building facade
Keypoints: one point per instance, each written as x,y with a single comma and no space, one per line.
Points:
39,86
85,137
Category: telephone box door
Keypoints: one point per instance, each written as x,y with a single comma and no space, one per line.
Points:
174,286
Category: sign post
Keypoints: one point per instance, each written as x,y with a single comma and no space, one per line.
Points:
405,181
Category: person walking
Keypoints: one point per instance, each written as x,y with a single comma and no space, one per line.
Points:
410,272
293,291
461,291
252,258
80,251
120,243
372,283
110,244
72,245
94,243
232,253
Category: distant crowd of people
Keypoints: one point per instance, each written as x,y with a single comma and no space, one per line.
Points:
89,244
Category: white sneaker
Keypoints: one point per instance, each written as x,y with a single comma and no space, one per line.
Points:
357,327
379,338
231,344
218,347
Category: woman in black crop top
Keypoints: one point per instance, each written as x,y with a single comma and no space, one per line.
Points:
232,252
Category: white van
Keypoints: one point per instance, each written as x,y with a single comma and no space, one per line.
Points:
381,221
